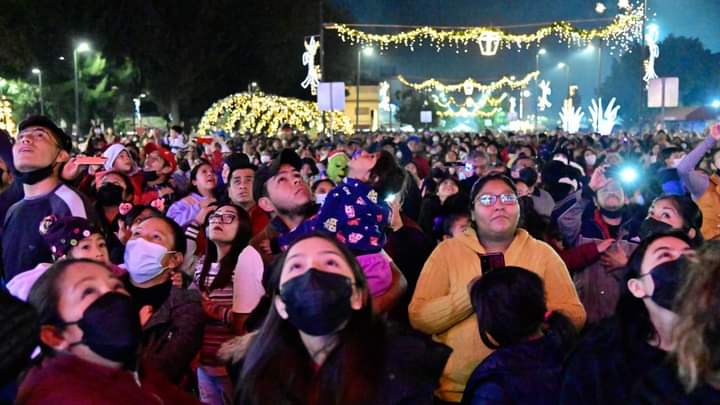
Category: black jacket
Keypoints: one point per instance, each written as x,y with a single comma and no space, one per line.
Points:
661,386
604,367
526,373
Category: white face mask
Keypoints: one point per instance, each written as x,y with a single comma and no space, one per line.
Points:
320,198
265,158
676,162
590,160
143,260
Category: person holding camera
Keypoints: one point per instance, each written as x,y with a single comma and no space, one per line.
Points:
599,213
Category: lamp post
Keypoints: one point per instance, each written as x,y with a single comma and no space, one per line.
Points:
566,67
82,47
539,53
368,51
38,72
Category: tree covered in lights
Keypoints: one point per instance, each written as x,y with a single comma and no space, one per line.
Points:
258,113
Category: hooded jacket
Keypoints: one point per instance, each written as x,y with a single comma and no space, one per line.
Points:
441,304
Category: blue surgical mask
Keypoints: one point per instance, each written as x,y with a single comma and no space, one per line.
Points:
320,198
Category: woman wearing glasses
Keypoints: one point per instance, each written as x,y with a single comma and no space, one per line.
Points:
441,304
229,278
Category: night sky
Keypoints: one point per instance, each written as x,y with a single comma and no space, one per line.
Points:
693,18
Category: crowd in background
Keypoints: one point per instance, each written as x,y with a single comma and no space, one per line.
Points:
379,268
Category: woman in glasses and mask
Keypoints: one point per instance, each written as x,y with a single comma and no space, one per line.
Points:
229,278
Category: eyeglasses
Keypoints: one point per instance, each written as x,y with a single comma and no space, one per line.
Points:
488,200
222,218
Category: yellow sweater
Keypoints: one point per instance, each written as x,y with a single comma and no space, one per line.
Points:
441,304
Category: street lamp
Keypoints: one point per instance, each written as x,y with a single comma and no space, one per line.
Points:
82,47
38,72
367,51
566,67
539,53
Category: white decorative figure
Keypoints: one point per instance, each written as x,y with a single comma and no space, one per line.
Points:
603,121
571,118
623,4
651,38
468,87
489,42
308,59
545,92
512,114
384,96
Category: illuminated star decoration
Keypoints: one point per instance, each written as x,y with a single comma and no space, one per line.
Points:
651,38
308,59
623,4
603,121
571,118
545,92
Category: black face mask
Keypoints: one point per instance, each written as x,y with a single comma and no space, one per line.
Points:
111,328
668,278
612,214
110,195
651,226
150,175
318,302
34,176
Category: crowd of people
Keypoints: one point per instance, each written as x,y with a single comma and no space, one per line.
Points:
379,268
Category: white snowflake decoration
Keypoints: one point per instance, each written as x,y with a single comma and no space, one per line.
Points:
308,59
603,121
571,118
545,92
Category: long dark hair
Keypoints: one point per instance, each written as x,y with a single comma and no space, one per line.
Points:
193,176
277,363
633,316
510,306
229,261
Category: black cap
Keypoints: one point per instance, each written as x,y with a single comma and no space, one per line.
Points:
237,161
63,139
270,169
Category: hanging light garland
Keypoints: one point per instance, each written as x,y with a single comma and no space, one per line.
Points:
470,102
506,81
258,113
624,29
469,113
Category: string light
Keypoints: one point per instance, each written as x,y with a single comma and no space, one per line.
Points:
484,100
624,29
490,87
259,113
